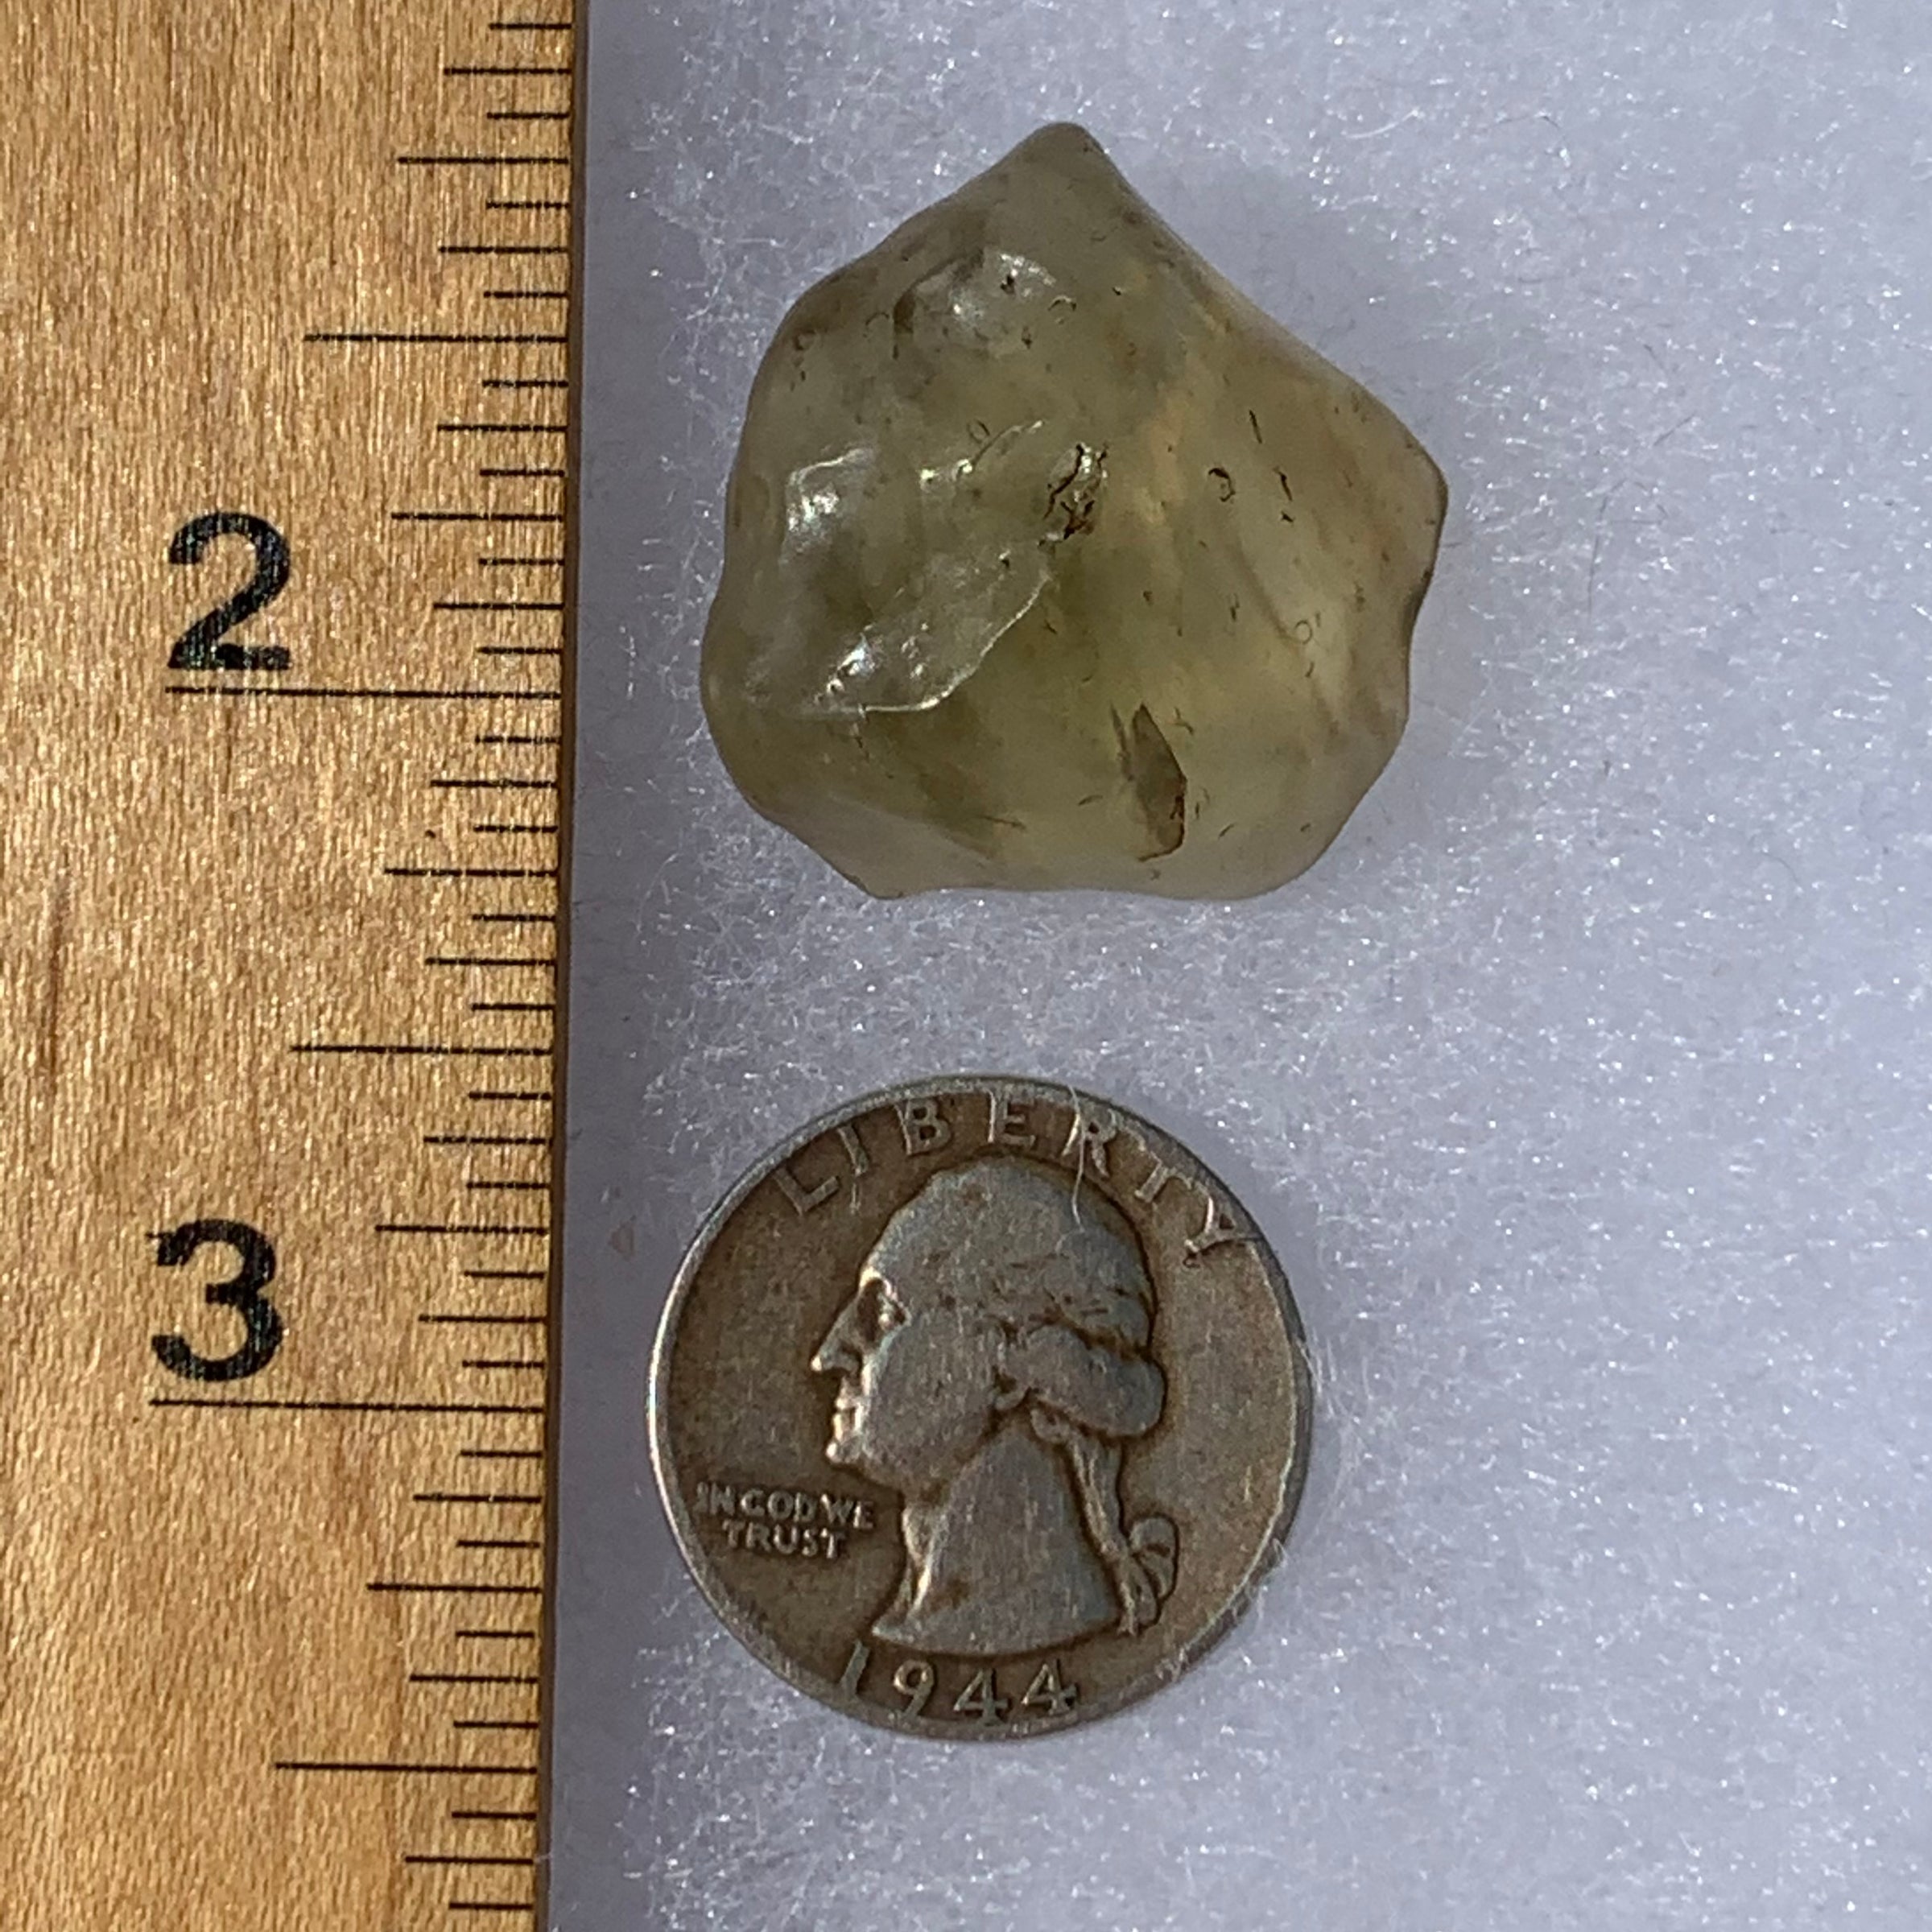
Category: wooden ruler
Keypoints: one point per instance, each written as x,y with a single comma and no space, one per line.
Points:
285,311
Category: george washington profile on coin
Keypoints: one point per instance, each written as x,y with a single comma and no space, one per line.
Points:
993,1365
979,1408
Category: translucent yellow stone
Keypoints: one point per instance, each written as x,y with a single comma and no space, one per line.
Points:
1052,561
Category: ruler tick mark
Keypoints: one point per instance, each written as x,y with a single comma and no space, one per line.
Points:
461,693
476,516
496,604
408,1050
378,1766
532,961
407,1586
455,1318
321,1405
485,1227
486,1139
436,337
502,429
471,872
497,160
473,1677
459,1858
479,784
452,1496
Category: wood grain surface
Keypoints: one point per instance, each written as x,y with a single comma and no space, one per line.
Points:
280,954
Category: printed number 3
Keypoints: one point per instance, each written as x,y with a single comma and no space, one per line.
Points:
243,1294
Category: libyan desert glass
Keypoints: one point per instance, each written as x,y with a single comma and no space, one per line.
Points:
1051,561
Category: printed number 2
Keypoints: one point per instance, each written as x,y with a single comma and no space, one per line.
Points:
201,646
243,1294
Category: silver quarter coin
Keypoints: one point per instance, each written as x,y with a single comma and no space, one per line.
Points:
979,1408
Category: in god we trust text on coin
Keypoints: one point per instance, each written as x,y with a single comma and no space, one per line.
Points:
979,1408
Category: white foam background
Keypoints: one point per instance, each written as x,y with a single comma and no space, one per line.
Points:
1582,1088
